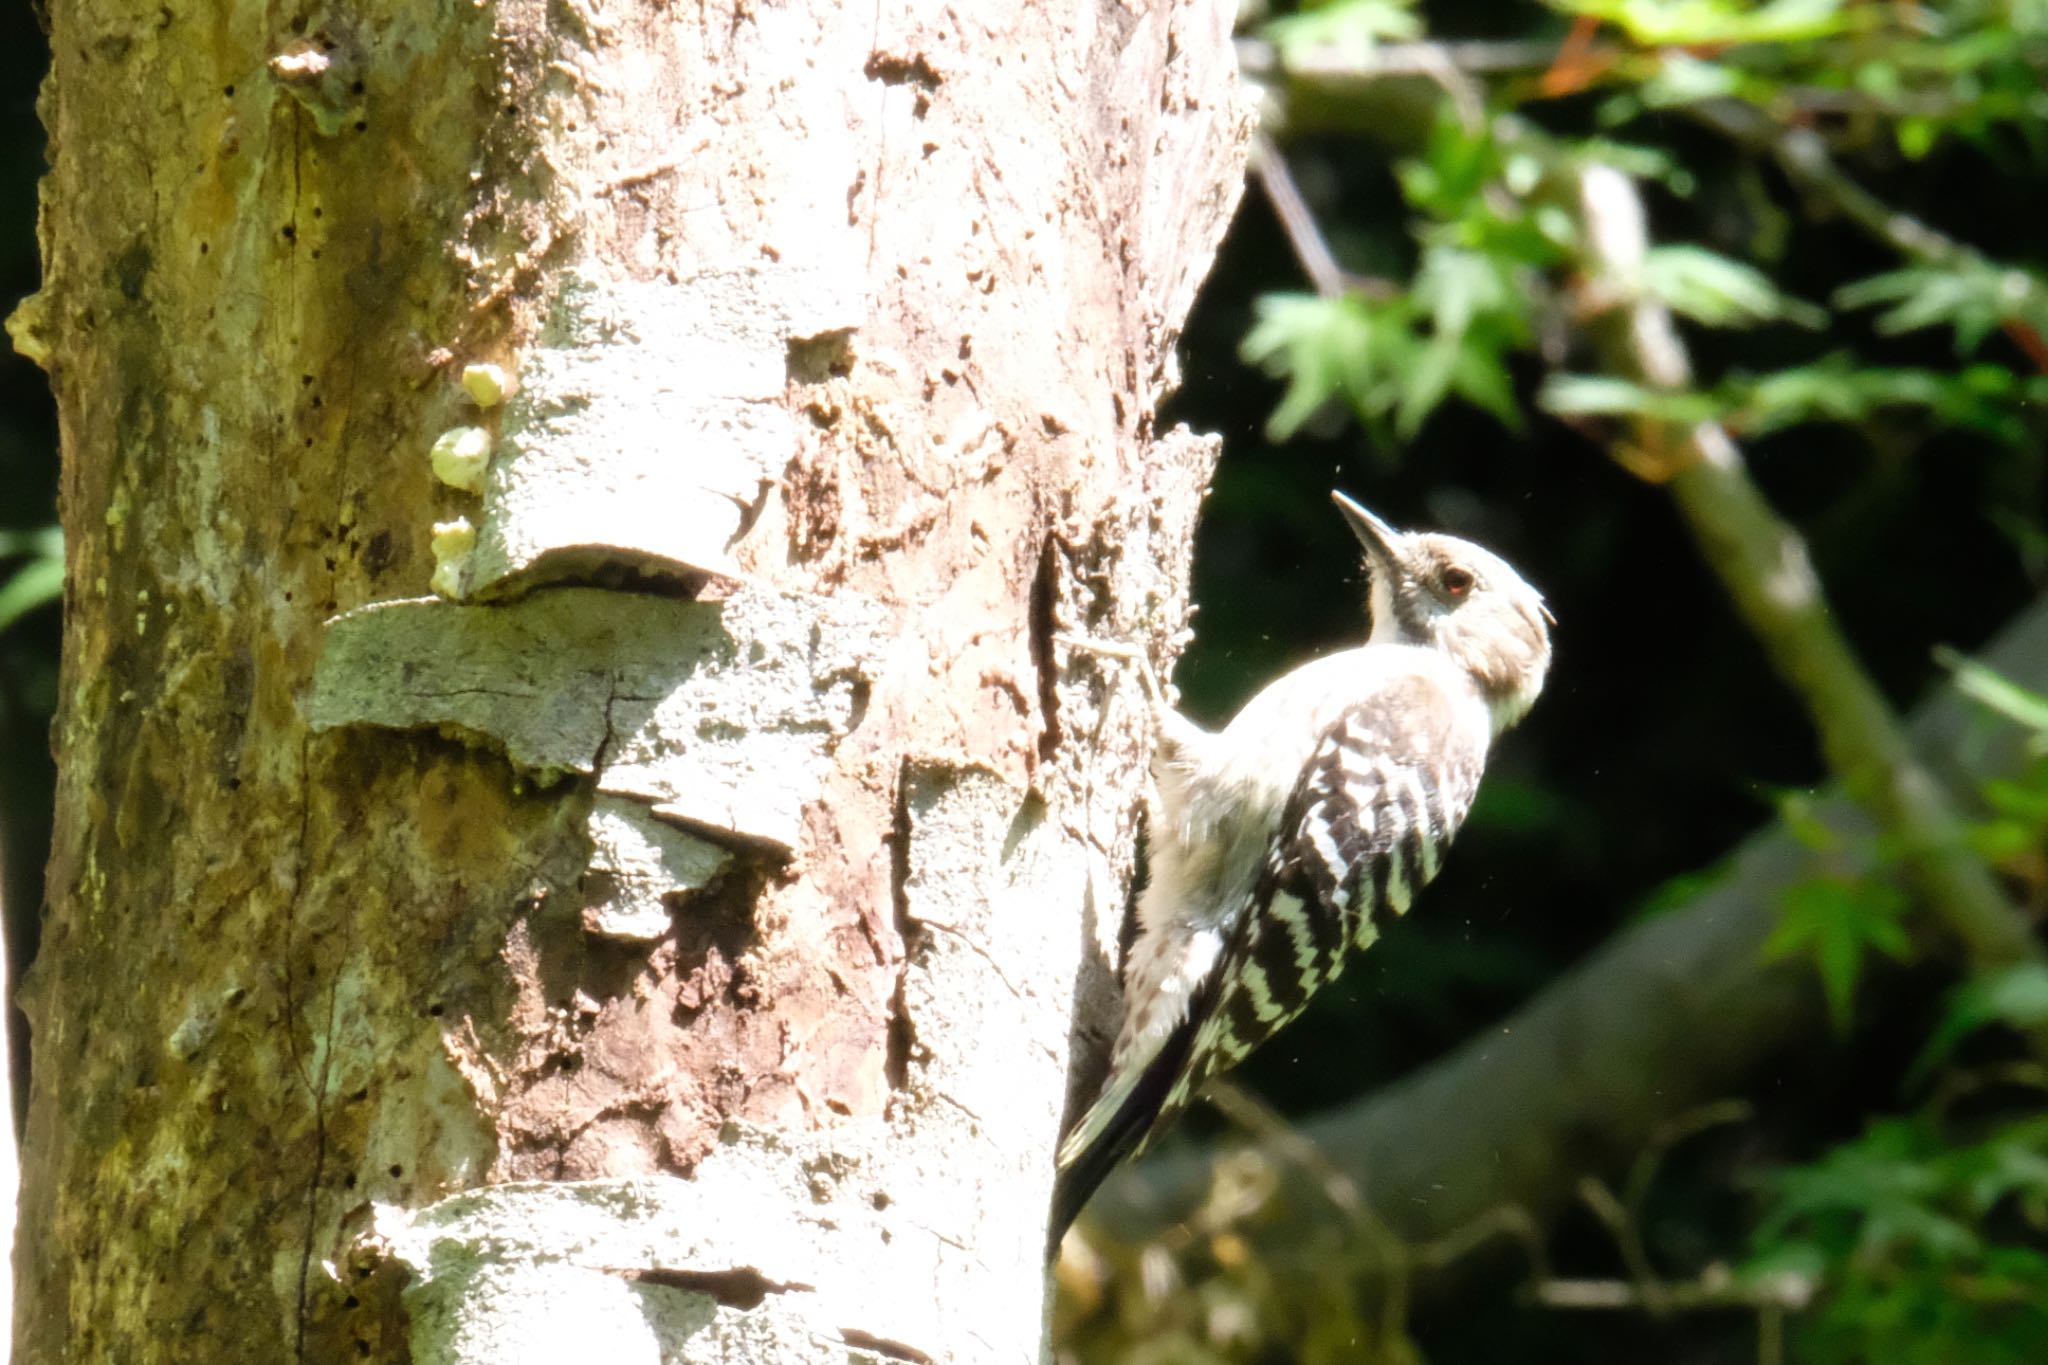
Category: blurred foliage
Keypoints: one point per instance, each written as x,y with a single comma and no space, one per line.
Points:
1926,1245
1835,191
1839,922
1924,1241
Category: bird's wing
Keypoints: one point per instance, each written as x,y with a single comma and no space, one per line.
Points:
1385,788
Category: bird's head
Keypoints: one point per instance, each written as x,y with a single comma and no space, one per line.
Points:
1450,594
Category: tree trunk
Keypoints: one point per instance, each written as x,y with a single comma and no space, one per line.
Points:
662,942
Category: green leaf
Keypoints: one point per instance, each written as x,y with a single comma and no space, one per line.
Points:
2027,801
1481,378
1801,816
1450,179
1592,395
1895,1188
1917,137
1987,398
1837,922
1678,892
39,581
1680,79
44,542
1973,298
2011,1163
1721,292
1348,348
1717,23
1476,315
1996,692
2016,996
1345,28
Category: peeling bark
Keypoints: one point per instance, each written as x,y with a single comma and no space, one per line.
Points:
662,941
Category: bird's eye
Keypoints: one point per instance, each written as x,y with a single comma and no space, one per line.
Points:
1457,581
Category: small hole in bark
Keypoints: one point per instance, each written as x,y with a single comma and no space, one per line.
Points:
397,1171
228,90
434,1010
883,1346
742,1287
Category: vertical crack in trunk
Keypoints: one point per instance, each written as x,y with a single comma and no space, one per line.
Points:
1044,609
896,1065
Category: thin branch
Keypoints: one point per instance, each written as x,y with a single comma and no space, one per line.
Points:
1622,1226
1310,250
1338,66
1803,156
1762,562
1712,1291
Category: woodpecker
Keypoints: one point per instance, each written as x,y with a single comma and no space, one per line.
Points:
1287,839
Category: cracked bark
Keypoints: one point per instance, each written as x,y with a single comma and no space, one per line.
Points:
667,946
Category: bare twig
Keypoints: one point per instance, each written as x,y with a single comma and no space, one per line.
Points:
1337,66
1310,250
1627,1234
1285,1141
1804,158
1711,1291
1391,1260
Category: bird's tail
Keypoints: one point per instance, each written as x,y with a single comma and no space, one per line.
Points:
1115,1126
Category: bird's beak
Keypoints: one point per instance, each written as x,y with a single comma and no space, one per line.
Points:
1375,535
